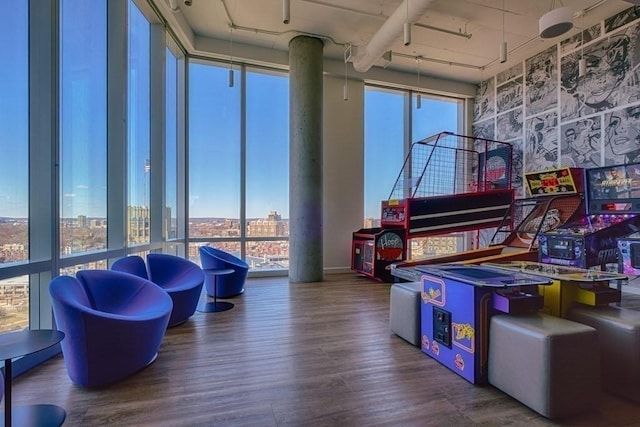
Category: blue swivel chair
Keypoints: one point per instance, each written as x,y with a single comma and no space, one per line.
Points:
179,277
228,285
113,323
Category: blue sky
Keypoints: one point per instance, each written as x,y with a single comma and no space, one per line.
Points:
214,126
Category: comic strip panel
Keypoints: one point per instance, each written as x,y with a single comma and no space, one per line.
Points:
509,74
541,81
541,143
580,144
509,125
612,77
484,129
579,39
622,136
484,102
509,95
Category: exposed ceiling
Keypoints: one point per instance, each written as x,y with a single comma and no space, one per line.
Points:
455,39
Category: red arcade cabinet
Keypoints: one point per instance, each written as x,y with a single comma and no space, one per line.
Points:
448,183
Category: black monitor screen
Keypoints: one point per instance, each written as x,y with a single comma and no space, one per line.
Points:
614,189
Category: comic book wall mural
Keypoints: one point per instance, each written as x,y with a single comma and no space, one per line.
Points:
484,103
553,117
541,143
485,129
580,143
542,81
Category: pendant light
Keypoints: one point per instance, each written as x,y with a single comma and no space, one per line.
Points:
503,45
231,77
418,96
582,64
407,28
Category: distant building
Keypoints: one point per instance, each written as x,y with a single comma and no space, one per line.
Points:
82,221
139,229
273,225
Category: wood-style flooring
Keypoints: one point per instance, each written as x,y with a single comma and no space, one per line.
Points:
313,354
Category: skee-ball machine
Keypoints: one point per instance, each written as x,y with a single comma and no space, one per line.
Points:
457,303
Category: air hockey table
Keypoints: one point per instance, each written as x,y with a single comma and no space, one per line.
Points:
570,284
457,302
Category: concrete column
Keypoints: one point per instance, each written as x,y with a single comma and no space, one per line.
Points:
305,159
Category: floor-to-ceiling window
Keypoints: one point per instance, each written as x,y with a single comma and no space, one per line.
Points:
139,156
238,163
83,126
14,162
395,119
267,170
171,147
429,117
214,157
384,147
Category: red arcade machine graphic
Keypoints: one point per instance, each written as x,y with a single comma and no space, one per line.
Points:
448,183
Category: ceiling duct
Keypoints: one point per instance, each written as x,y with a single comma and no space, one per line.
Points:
382,40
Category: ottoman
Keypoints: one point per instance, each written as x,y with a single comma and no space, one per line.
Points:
547,363
404,311
619,336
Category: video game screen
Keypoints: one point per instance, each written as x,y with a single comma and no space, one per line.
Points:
614,189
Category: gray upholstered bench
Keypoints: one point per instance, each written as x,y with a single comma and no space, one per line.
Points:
404,311
547,363
619,336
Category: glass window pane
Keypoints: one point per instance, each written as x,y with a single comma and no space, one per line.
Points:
437,115
139,119
267,179
83,133
267,150
171,146
214,152
383,148
14,304
14,133
269,255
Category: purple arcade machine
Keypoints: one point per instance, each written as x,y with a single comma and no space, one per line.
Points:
613,202
457,302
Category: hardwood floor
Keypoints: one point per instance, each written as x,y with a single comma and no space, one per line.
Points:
315,354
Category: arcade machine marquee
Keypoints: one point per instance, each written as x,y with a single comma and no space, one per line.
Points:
613,202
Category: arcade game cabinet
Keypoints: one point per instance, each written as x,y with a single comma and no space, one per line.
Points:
443,187
588,241
457,303
557,196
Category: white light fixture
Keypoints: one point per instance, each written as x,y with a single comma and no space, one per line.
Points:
345,87
407,28
231,76
418,96
407,33
503,45
286,11
556,22
582,64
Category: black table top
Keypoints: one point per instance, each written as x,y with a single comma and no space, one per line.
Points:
16,344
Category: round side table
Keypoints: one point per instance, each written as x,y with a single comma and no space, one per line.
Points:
216,306
16,344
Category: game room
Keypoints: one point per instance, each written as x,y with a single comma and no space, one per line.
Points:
320,212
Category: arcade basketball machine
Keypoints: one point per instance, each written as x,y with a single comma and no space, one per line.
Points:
448,183
557,197
591,240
